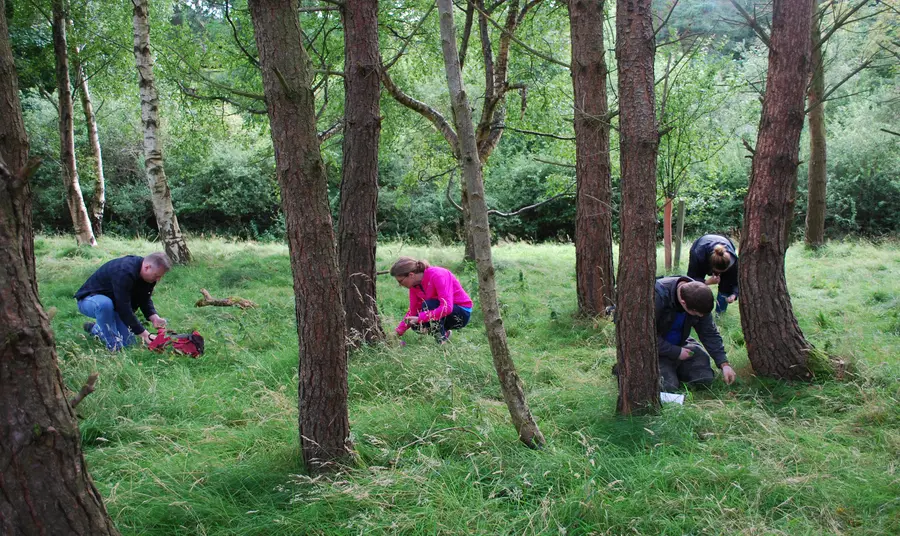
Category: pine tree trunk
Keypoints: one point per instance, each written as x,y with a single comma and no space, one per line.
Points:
98,203
593,220
635,319
14,141
161,197
775,344
815,215
74,199
287,75
679,233
357,234
45,487
510,383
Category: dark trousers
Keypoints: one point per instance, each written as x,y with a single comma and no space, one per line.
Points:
455,320
693,371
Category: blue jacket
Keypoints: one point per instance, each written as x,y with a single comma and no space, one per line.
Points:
667,307
699,266
120,280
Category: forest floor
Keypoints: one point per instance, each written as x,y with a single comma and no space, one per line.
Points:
210,446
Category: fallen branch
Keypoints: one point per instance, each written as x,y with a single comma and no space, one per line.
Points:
230,301
86,390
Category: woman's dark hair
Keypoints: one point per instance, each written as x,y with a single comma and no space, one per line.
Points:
720,259
405,265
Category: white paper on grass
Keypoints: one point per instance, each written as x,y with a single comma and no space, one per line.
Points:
671,397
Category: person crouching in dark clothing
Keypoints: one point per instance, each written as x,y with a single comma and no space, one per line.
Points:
115,291
683,304
714,255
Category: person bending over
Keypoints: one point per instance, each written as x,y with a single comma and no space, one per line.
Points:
115,291
437,302
681,305
714,255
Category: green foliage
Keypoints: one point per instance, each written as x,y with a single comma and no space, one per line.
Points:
210,446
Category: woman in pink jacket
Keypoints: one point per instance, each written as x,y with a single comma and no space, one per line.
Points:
437,302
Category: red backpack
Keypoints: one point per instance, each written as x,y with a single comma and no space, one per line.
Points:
188,344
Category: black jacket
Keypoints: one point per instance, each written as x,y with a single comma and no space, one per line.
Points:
699,266
667,307
120,280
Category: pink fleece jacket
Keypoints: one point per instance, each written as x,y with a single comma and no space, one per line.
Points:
437,283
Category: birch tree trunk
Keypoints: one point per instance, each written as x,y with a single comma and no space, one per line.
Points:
818,180
98,202
510,383
357,234
166,221
636,350
775,345
74,199
287,75
594,274
45,487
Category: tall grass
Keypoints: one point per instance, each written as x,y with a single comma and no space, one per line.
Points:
209,446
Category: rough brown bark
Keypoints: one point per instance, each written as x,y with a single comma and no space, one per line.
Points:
594,274
74,199
635,318
166,221
510,383
775,344
45,487
14,140
287,75
357,233
817,179
98,202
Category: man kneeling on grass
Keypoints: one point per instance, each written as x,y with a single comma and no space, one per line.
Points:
115,291
682,304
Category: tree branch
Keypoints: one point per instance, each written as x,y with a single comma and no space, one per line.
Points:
754,24
331,131
87,389
666,20
543,134
406,41
515,40
426,111
237,39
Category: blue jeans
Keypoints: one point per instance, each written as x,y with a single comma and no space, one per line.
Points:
721,303
109,327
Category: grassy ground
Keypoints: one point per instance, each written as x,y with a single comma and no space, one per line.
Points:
209,446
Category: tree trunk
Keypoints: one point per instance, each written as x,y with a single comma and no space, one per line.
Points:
45,487
98,203
287,74
75,201
593,220
510,383
815,212
14,140
775,344
679,233
357,233
667,234
469,252
635,319
169,232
